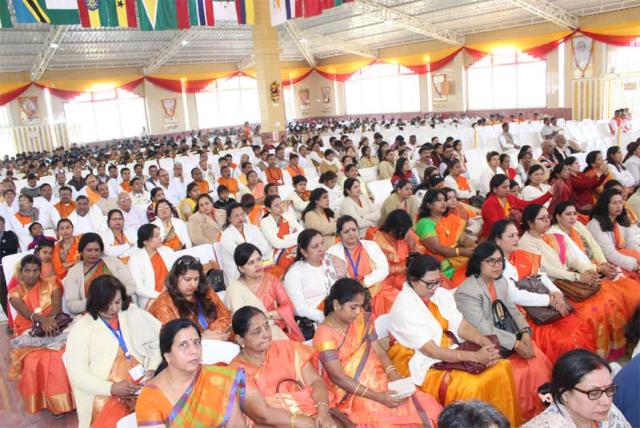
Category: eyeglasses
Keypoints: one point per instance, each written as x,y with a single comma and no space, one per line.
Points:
189,262
498,261
595,394
431,284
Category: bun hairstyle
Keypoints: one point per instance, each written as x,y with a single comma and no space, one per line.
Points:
242,318
419,264
344,290
145,232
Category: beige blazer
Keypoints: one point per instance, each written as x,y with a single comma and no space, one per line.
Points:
74,298
473,300
202,229
317,221
92,348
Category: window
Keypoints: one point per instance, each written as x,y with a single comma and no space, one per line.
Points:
228,102
289,102
507,80
383,88
106,115
623,59
6,133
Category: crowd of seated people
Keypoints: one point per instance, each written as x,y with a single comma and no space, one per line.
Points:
452,288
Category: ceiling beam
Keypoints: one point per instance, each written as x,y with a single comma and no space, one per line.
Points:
549,11
296,35
246,62
408,22
47,51
170,48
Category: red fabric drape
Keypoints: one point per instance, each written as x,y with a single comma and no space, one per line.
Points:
435,65
614,40
297,79
70,94
190,86
542,50
12,95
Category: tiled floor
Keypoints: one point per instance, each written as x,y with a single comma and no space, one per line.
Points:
12,412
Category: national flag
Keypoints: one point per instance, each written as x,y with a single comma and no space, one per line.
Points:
315,7
157,15
246,11
201,12
107,13
5,18
56,12
282,10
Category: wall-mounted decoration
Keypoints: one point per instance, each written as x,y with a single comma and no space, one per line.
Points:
169,112
326,96
305,98
440,87
582,48
28,110
275,92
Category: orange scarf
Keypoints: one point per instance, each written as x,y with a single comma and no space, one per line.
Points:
256,214
274,175
93,196
463,183
230,183
445,340
23,219
295,170
65,210
203,186
160,271
358,262
527,264
126,186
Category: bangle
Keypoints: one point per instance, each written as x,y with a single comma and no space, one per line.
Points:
457,251
292,420
364,391
390,369
515,347
322,403
356,391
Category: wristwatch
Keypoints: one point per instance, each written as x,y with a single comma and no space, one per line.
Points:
36,311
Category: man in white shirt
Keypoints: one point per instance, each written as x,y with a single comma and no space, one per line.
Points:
303,159
171,192
547,130
45,203
85,218
139,196
112,183
506,140
179,181
152,181
134,216
105,203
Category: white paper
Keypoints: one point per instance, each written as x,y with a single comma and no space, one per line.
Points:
218,351
403,387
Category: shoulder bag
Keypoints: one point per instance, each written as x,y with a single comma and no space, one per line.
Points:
576,290
539,314
503,320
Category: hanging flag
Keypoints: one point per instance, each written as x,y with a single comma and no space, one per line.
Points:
228,10
56,12
157,15
315,7
107,13
282,10
201,12
5,18
246,11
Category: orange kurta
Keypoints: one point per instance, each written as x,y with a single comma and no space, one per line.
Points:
126,186
165,310
295,170
43,381
230,183
160,271
62,263
92,195
274,175
203,186
351,349
65,209
256,214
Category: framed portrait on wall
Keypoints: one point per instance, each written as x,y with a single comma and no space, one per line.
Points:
169,112
305,98
440,87
28,110
582,48
326,96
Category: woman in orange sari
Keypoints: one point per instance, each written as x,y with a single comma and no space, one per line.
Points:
281,232
444,236
42,377
255,186
186,394
262,290
65,251
283,386
396,240
358,369
188,295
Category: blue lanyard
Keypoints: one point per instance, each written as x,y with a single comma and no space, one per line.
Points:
355,266
201,319
119,338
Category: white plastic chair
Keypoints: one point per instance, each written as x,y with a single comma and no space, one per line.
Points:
218,351
380,190
205,253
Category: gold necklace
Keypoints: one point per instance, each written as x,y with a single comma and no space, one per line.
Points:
255,362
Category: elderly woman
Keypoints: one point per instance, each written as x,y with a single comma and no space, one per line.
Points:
357,205
93,263
283,386
111,350
40,372
173,230
202,225
188,295
476,298
580,394
149,264
260,289
427,326
118,239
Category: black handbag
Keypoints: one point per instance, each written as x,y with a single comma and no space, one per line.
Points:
540,315
215,278
503,320
307,327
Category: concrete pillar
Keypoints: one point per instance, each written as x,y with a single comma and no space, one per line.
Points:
267,64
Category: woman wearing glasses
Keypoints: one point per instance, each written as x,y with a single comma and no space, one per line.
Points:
188,295
580,394
424,320
476,298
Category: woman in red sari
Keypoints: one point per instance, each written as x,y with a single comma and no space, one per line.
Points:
43,381
260,289
583,185
283,386
65,251
358,369
396,240
500,204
